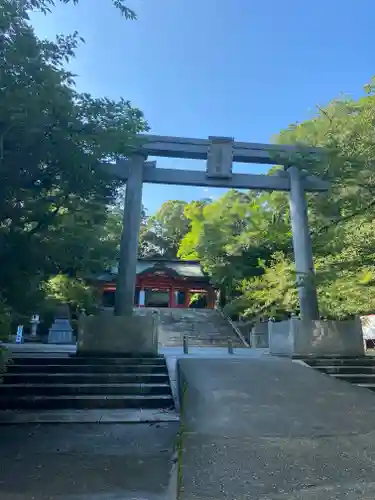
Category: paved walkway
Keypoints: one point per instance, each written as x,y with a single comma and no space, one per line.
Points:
255,427
87,462
272,429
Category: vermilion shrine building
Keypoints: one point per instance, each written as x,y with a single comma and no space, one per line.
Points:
163,283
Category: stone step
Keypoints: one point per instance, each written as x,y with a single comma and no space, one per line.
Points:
83,360
331,370
356,371
106,355
198,345
82,389
86,368
147,401
362,361
205,342
357,378
371,387
205,328
85,383
222,340
85,378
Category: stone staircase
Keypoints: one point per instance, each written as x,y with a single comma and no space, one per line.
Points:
204,328
357,370
74,382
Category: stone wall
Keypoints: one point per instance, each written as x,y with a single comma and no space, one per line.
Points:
106,334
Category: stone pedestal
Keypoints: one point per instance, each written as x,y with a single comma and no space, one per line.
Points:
118,335
259,335
61,332
303,338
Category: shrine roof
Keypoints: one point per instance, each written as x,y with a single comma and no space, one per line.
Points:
181,268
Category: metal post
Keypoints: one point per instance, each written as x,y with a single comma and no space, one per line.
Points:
302,247
127,269
230,346
185,341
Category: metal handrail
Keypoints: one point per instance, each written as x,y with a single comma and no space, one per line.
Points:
234,327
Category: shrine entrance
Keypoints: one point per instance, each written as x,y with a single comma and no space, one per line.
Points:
161,283
220,153
156,297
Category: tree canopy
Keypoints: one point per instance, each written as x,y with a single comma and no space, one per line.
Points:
54,141
61,214
165,229
244,239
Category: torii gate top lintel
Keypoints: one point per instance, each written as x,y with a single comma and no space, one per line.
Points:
242,152
220,154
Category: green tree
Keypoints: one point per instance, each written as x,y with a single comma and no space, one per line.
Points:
342,221
245,242
75,292
230,236
110,236
167,228
45,6
53,144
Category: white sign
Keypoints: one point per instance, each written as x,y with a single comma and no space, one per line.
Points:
220,157
368,326
142,298
19,334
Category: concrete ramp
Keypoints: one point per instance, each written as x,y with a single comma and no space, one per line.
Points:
273,429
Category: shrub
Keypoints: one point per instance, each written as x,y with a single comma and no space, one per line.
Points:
4,360
5,320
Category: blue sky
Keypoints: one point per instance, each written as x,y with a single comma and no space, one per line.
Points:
240,68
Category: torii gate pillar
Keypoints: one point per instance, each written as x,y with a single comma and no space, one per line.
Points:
127,269
302,246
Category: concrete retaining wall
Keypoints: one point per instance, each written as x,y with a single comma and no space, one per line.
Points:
297,337
105,334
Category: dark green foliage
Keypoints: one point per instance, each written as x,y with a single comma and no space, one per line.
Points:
54,193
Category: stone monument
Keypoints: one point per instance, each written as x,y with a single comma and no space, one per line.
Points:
61,331
34,325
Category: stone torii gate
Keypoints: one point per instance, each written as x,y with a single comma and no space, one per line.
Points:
220,153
